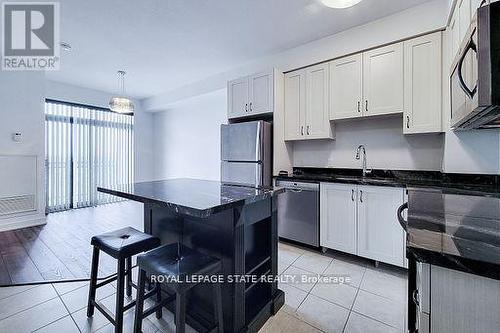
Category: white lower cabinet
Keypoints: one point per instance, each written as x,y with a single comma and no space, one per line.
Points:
380,236
362,220
338,217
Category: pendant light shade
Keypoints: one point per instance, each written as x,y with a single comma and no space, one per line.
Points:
340,3
121,104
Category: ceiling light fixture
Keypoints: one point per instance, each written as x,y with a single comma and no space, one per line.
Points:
121,104
340,3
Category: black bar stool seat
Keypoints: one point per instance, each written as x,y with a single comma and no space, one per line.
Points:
176,262
120,244
124,242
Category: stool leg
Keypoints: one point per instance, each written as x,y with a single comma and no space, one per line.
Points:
159,312
120,285
139,305
93,281
129,276
218,307
180,313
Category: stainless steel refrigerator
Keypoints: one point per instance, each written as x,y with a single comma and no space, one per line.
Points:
246,156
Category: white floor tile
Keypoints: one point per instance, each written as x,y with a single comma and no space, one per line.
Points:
65,287
312,262
78,298
87,325
354,272
63,325
340,294
35,317
379,308
9,291
299,278
26,299
293,297
285,323
361,324
288,254
386,284
322,314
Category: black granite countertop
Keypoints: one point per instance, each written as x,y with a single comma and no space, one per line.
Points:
454,229
481,184
199,198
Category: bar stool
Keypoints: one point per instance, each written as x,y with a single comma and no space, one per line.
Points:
121,244
176,262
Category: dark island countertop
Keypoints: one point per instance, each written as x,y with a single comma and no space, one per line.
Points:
193,197
454,229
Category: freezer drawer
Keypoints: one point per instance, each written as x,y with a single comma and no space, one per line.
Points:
245,173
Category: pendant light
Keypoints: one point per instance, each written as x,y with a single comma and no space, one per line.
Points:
340,3
121,104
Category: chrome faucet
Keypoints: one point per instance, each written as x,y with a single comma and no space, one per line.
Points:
358,156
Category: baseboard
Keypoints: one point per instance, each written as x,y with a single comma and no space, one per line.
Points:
24,222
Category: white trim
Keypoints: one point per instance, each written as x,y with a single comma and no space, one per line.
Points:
18,223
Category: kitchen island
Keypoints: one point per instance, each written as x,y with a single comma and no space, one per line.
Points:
236,224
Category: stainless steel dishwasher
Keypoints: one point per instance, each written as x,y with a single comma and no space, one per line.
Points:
298,212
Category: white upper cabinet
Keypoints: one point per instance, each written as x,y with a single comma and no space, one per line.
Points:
422,87
338,217
380,236
346,87
306,104
261,93
251,95
317,111
383,80
237,98
464,14
295,105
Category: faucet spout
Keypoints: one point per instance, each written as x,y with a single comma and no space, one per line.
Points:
361,148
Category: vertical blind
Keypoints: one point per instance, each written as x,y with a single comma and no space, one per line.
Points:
85,147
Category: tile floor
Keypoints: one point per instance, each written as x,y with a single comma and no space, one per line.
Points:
372,301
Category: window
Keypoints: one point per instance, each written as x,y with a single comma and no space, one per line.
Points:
85,147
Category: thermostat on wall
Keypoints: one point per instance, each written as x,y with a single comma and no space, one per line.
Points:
17,137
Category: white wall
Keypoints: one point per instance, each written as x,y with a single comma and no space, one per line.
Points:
386,147
22,110
187,138
143,122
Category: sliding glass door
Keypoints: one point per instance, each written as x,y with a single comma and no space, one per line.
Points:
85,147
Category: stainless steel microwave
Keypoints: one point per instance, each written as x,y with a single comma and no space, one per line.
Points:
475,78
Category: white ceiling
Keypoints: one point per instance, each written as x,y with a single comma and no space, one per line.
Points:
165,44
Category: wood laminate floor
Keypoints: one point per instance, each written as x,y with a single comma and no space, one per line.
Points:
60,249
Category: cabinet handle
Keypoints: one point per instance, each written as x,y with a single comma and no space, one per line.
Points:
352,195
361,196
416,298
246,107
359,106
407,121
250,106
366,105
307,129
301,130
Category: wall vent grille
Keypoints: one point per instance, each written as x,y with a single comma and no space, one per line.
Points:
17,204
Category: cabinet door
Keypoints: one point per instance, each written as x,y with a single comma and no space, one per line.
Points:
380,237
317,117
383,80
295,105
237,95
338,217
422,75
454,35
261,93
346,87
